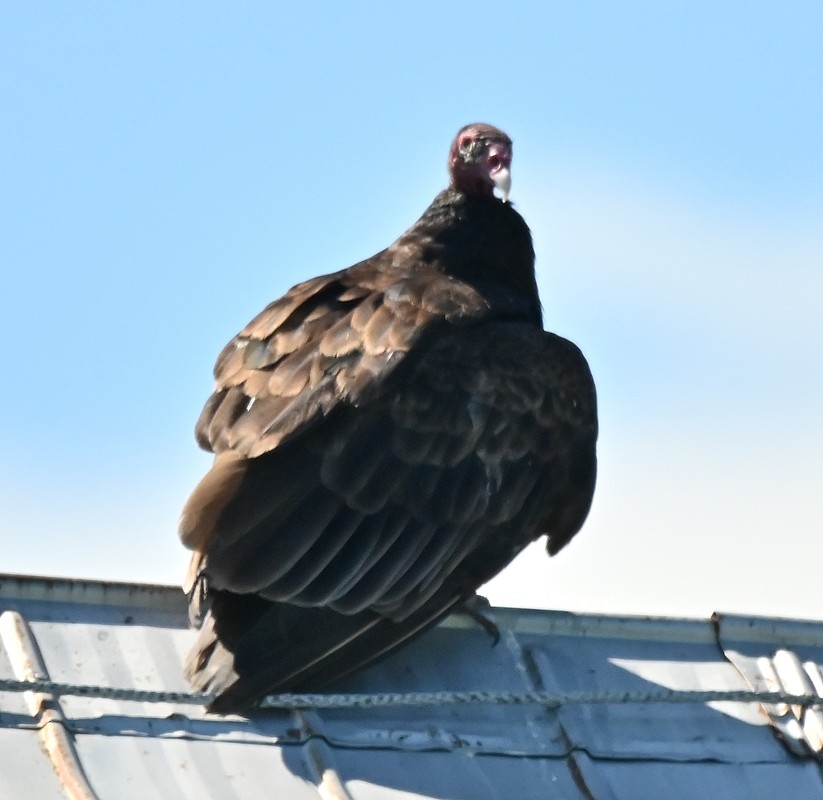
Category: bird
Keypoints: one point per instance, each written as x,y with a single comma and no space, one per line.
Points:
386,439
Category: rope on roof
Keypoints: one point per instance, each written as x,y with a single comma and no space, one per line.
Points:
382,700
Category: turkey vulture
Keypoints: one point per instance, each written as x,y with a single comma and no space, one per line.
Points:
387,438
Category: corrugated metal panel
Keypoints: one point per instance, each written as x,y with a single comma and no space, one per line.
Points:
24,773
788,662
704,780
131,636
682,732
454,775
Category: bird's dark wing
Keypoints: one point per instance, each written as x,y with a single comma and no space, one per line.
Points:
329,344
329,340
391,503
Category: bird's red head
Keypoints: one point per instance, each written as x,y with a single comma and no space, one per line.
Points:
480,160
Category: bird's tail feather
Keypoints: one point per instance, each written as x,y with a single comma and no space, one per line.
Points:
249,647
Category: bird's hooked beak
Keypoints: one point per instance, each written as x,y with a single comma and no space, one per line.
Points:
502,180
498,164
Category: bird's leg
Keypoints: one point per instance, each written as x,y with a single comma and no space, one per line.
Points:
475,608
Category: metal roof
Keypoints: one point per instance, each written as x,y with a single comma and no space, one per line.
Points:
124,635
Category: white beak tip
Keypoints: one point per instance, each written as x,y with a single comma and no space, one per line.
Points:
502,180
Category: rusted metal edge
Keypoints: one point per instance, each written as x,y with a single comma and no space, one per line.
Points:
775,668
320,759
27,662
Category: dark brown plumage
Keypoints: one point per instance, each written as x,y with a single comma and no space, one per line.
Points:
387,439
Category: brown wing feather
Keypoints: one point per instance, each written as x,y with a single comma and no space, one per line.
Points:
439,449
327,341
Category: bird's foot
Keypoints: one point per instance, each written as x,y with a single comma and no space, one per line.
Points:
476,609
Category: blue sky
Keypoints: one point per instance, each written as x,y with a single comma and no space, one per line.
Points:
166,169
